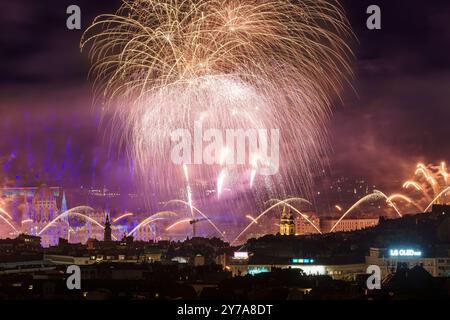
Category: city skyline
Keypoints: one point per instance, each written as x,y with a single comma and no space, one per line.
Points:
58,134
208,158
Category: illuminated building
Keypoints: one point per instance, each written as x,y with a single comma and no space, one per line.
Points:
303,227
287,223
146,232
310,266
437,264
44,207
64,203
346,225
115,257
23,197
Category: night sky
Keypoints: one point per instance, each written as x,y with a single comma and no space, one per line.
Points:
396,114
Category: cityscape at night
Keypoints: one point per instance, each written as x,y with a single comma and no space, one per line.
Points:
225,150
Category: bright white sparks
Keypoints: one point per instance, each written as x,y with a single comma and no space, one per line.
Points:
161,65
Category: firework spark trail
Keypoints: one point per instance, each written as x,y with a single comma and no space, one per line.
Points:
432,183
254,164
154,217
294,199
443,172
405,198
390,203
376,195
188,189
125,215
69,229
143,224
3,211
187,220
202,214
252,177
220,181
162,215
280,202
251,223
9,224
372,196
74,212
407,184
427,174
304,216
440,194
252,219
418,187
224,172
161,65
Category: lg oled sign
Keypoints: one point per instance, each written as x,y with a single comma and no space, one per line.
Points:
405,253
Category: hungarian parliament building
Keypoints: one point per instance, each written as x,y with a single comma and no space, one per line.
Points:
40,211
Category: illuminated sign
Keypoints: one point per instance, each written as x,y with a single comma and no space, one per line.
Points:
256,270
305,261
405,253
241,255
311,270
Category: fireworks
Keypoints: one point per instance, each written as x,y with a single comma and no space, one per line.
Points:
430,187
161,65
125,215
375,196
155,217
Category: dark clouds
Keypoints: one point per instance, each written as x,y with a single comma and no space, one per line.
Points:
48,124
397,114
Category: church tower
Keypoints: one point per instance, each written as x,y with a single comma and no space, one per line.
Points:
107,237
63,203
287,223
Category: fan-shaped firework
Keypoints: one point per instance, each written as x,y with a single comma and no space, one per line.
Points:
430,186
162,65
